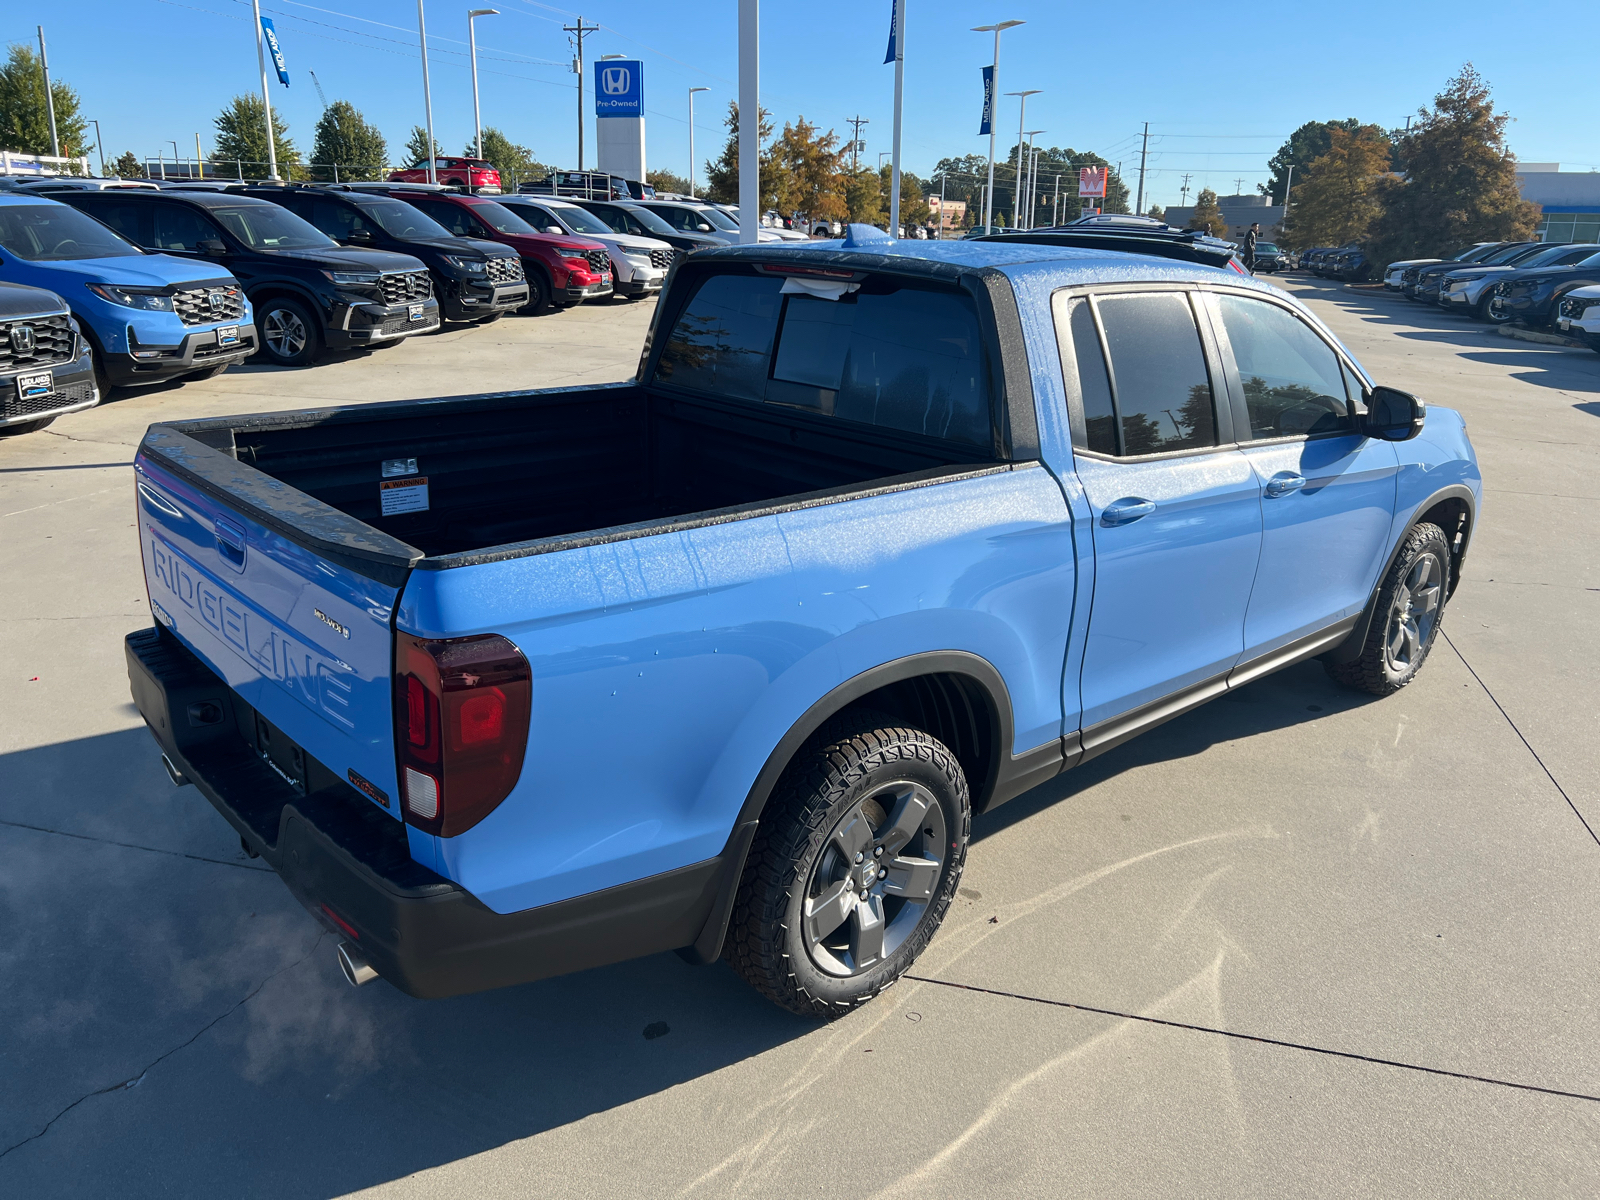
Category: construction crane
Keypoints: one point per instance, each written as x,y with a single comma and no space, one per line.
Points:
316,83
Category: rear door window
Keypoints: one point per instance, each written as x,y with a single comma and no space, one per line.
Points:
128,217
179,227
452,217
896,356
1292,380
1161,387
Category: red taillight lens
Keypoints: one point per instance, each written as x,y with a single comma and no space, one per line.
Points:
461,717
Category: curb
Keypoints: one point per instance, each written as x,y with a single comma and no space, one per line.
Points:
1546,339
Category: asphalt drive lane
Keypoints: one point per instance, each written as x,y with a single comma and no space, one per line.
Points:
1402,880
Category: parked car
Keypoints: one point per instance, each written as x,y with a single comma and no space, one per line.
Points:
1350,265
1309,255
1532,293
627,216
1269,258
724,658
472,279
1393,272
147,317
475,174
309,293
561,271
692,216
1424,286
46,369
1578,315
1471,289
639,264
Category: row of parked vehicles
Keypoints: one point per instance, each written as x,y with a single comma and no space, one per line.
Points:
1500,282
1348,263
115,283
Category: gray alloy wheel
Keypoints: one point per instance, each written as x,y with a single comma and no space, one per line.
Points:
875,880
1493,312
287,334
1413,614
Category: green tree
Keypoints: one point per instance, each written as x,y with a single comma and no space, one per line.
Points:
722,174
515,163
1063,162
801,172
417,152
1459,182
128,166
1207,215
664,180
24,117
1341,198
863,195
1305,145
1156,211
346,146
242,139
913,207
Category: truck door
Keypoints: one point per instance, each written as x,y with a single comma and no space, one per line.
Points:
1328,494
1176,508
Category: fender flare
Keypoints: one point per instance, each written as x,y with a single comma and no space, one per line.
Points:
288,288
1350,649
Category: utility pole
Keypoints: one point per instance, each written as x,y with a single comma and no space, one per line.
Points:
1238,187
49,99
1055,204
855,141
994,92
692,91
1183,192
427,92
472,49
582,32
1283,221
1144,150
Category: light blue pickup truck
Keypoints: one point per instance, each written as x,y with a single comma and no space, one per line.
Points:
724,658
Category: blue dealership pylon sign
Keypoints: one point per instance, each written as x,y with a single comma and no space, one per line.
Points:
986,124
275,50
618,88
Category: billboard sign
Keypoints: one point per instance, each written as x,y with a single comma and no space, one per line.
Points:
618,87
1092,181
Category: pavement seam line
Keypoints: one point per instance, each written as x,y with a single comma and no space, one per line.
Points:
1548,775
135,1080
1254,1037
84,837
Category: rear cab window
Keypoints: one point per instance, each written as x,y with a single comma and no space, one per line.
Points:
888,352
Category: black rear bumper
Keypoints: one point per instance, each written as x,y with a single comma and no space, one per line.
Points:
350,865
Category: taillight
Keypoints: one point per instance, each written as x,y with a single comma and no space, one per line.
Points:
461,711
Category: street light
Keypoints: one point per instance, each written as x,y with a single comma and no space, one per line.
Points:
472,43
1033,167
174,146
692,91
427,91
1022,119
994,85
99,146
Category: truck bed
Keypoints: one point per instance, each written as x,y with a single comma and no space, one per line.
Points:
511,468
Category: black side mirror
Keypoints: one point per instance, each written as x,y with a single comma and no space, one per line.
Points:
1393,415
359,235
212,246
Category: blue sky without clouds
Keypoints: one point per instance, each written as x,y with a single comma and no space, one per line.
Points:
1219,100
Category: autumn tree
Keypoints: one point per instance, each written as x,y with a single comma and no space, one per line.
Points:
242,139
863,195
803,175
722,173
24,117
1305,145
1341,198
1207,215
1459,184
346,147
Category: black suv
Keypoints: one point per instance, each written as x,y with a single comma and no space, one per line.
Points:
625,216
473,278
307,291
45,365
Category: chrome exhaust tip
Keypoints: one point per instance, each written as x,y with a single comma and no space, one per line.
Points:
179,779
357,970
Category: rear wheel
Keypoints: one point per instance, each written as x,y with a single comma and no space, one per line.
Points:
852,868
539,298
1406,621
289,333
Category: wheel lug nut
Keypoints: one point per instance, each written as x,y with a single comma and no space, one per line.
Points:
863,893
882,874
877,852
859,856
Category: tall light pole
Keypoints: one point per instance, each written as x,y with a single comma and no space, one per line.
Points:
427,89
898,33
100,147
692,91
994,90
749,122
472,45
266,96
1033,165
49,98
1022,119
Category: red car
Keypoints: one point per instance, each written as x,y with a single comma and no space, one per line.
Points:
466,172
562,270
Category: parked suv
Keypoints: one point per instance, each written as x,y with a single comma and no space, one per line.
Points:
147,317
692,216
1472,289
561,271
638,264
308,291
625,216
46,370
476,173
1532,294
1424,285
1394,272
472,279
1578,315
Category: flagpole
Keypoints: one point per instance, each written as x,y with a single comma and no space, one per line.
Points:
266,96
899,21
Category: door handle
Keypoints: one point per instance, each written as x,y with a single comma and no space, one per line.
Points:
1126,511
1285,482
230,542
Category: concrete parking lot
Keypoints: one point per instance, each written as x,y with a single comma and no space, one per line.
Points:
1298,942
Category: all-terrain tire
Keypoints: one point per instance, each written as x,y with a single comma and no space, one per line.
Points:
841,769
1382,669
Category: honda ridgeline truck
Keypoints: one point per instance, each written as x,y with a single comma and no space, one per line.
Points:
724,658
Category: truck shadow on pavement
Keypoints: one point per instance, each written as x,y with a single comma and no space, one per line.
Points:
181,1028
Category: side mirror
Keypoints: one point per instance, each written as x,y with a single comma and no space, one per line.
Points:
703,227
1393,415
359,235
212,246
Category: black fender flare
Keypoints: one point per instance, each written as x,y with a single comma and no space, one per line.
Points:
1350,649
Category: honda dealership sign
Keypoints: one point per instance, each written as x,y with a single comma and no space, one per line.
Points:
619,107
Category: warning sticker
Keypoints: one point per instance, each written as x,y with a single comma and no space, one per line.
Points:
403,495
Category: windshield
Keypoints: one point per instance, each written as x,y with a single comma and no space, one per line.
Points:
268,227
500,218
718,218
1506,254
581,220
1557,255
400,220
651,222
53,232
1261,247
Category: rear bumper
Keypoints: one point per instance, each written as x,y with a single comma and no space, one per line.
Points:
351,866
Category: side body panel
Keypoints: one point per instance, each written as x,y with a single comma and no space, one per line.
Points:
666,668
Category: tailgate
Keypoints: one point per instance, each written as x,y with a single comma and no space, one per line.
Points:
302,636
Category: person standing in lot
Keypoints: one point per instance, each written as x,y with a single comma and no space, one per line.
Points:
1250,237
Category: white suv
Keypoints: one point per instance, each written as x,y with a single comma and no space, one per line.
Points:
638,264
1578,314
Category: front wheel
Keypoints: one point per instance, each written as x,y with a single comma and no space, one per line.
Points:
23,427
852,868
1406,621
1491,312
288,333
539,297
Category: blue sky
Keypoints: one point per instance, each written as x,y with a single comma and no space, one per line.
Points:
1219,98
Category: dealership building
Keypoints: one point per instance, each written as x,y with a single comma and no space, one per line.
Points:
1569,201
1240,212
